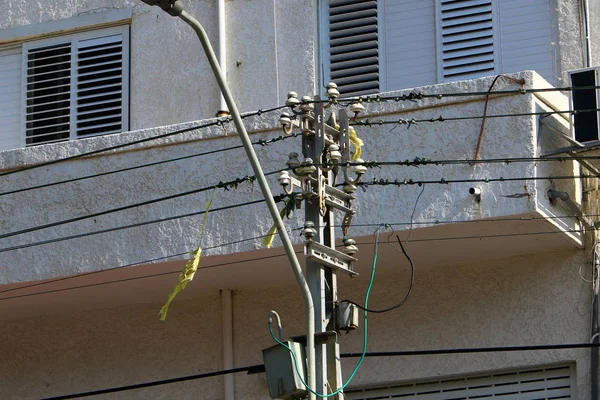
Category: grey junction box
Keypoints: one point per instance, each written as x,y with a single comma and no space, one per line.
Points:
282,378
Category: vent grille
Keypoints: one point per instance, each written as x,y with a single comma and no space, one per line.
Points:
354,46
539,384
467,37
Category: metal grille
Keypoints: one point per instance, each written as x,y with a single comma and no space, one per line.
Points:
538,384
354,46
467,38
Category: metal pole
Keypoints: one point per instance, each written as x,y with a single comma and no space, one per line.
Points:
178,11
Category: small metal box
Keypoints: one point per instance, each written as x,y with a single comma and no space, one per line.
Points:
282,378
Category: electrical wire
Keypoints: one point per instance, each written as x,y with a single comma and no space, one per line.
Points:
406,296
261,142
414,121
268,257
415,96
260,368
443,181
233,184
218,122
138,224
156,383
130,265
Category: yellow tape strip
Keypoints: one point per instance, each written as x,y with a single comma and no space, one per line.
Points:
268,240
357,142
190,268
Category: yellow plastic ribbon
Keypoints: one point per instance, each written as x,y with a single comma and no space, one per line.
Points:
187,275
270,237
356,142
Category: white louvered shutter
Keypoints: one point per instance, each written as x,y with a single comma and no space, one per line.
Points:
99,90
48,93
10,99
354,46
77,86
540,384
466,37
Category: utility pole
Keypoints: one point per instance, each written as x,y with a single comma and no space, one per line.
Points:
326,153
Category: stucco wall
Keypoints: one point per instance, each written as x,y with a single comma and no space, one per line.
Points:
504,137
517,301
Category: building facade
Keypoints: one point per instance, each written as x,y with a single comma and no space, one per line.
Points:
498,261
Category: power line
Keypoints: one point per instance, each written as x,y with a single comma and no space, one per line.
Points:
419,161
390,224
413,121
155,383
415,96
130,265
261,142
138,224
259,368
443,181
225,185
466,350
135,278
271,257
218,122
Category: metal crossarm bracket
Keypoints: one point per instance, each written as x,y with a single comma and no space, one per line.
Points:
329,257
337,199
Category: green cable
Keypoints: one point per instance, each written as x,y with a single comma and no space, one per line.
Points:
365,336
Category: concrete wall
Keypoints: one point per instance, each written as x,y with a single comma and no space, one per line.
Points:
524,300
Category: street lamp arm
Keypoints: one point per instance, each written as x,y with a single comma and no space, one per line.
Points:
175,8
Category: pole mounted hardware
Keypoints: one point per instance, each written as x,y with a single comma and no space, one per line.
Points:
314,172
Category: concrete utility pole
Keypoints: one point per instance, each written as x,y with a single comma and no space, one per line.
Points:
326,153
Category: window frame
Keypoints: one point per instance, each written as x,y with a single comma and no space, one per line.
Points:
74,39
19,38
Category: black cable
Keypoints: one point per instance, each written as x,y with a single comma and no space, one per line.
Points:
259,368
128,265
154,221
443,181
134,142
226,185
143,276
472,350
414,96
413,121
155,383
409,291
259,142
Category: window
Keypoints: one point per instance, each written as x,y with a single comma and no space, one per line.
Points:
69,87
382,45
